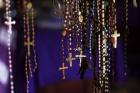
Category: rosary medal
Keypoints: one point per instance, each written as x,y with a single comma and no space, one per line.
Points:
80,18
64,33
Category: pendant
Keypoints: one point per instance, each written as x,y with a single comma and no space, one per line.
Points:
114,1
29,5
1,3
64,33
80,18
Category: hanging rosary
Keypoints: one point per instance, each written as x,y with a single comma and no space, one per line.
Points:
70,27
9,24
79,34
115,35
29,41
126,36
63,36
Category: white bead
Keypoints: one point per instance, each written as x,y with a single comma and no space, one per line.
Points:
12,87
10,66
11,76
9,57
9,53
12,83
10,61
8,44
10,32
10,71
12,91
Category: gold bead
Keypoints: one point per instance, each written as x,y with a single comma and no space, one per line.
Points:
29,5
64,33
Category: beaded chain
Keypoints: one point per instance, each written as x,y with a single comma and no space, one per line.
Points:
126,36
63,36
9,24
29,41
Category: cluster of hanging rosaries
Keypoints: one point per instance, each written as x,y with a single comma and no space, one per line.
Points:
89,35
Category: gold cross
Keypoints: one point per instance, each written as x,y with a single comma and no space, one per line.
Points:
28,44
70,59
63,68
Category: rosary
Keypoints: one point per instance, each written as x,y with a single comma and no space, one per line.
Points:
9,22
29,41
63,35
89,36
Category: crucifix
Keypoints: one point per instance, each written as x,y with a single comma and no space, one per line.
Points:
9,23
63,68
70,59
28,44
80,57
115,38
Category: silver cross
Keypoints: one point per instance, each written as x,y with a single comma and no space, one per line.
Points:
80,57
63,68
9,23
115,37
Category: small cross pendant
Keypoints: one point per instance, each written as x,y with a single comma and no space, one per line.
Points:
80,57
63,68
115,38
70,59
9,23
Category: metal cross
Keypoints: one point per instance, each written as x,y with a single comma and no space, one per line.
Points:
115,37
80,57
9,23
63,68
70,59
29,44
